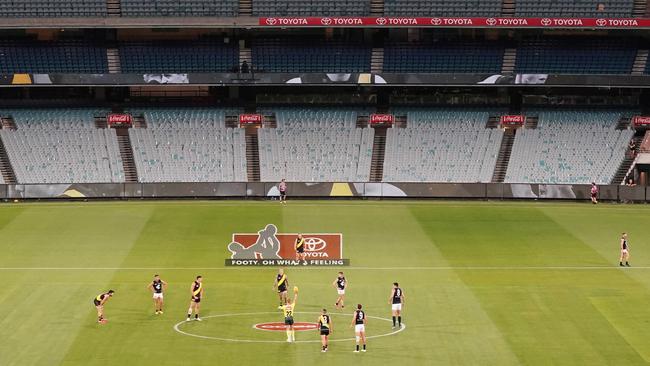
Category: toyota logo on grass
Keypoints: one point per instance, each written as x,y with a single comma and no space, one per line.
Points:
315,244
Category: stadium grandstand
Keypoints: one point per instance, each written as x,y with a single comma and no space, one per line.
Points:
487,160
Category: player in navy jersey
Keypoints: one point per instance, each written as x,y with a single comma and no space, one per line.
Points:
340,283
281,285
359,322
325,329
196,291
157,286
396,300
99,302
625,251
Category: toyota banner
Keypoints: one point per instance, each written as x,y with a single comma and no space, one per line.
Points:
452,22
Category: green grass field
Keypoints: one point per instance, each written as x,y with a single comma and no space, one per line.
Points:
486,283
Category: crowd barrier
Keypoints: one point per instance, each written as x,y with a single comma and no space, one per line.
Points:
259,190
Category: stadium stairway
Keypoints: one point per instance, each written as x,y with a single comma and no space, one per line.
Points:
252,155
626,165
376,7
126,151
640,62
245,54
378,154
503,159
508,8
400,121
493,122
245,7
623,123
509,61
8,123
377,60
113,60
114,8
5,166
640,8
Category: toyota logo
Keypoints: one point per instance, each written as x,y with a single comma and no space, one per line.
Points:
326,21
491,21
381,21
271,21
601,22
314,244
546,21
436,21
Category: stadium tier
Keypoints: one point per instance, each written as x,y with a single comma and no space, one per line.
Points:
283,55
576,56
188,145
459,8
52,9
52,56
444,57
311,7
180,57
569,147
575,8
316,145
61,146
441,145
175,8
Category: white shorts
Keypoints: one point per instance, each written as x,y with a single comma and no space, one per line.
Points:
341,292
358,328
397,307
157,295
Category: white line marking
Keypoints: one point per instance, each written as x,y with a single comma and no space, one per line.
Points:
177,329
434,268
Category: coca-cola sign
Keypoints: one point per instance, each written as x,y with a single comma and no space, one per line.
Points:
250,119
381,119
119,119
513,120
451,22
641,121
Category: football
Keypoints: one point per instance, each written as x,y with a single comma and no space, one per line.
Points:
295,289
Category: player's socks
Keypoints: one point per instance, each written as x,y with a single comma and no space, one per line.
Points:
357,348
364,348
399,320
620,264
393,321
627,264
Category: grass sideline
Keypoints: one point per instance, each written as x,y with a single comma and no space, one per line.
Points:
487,283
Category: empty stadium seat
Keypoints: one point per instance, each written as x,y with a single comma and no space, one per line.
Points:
444,57
315,145
188,145
576,56
311,7
435,8
184,8
282,55
569,147
52,9
52,57
62,146
441,145
178,57
575,8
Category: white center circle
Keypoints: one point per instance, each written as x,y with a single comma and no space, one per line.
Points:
177,328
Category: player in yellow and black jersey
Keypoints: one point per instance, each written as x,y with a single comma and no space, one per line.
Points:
300,248
325,329
99,302
281,285
288,310
196,291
